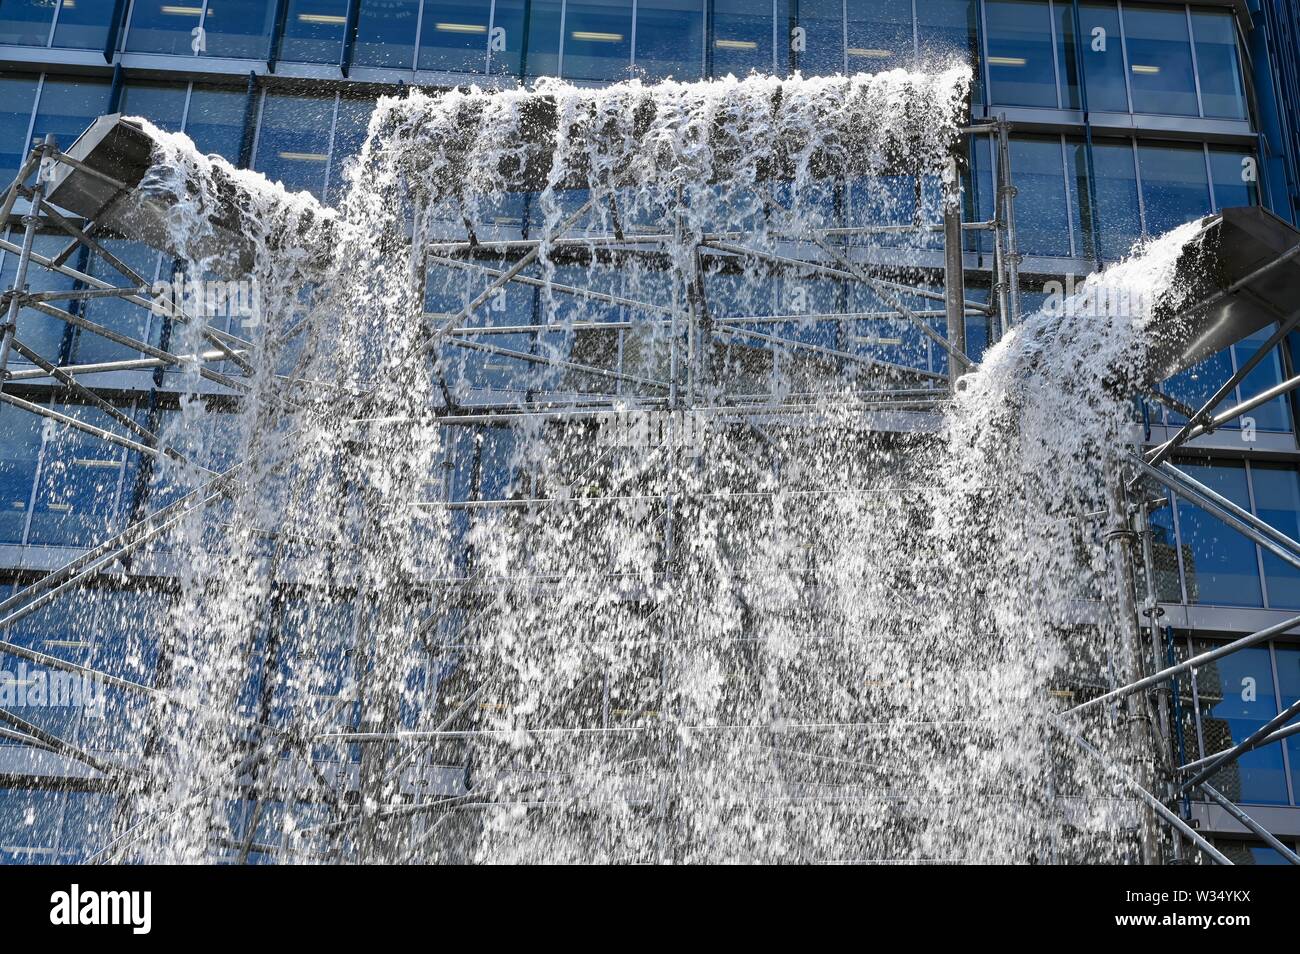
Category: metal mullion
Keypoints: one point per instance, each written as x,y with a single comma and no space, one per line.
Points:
1123,46
1277,698
1196,699
1259,552
185,111
1065,178
1137,178
203,25
36,482
1196,68
419,32
257,129
36,108
1056,59
334,128
844,31
54,25
125,38
984,61
559,56
1209,177
632,50
916,37
487,53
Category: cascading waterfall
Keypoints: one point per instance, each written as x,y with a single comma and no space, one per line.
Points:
779,634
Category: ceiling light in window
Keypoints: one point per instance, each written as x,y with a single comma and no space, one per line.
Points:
1145,70
172,11
593,37
304,156
869,53
735,44
460,28
1006,61
328,19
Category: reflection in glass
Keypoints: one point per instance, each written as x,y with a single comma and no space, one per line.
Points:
313,31
158,27
541,53
163,104
1236,698
1234,174
83,26
454,35
216,119
386,32
1277,503
26,22
741,38
17,96
1217,64
1115,215
68,106
670,38
880,36
823,24
239,28
1219,562
597,39
1020,63
1103,56
20,445
1175,186
1160,60
1041,181
294,140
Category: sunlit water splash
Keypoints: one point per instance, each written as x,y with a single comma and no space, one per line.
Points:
810,642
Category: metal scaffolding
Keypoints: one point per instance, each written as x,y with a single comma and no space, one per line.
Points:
87,194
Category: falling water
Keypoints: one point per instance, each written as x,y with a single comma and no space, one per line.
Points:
778,631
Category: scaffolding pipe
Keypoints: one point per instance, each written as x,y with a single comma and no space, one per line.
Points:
1195,662
1236,812
19,288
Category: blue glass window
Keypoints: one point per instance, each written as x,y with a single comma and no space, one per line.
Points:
1277,503
76,494
68,106
294,140
823,24
26,22
1115,215
1233,172
506,42
1236,698
1160,60
742,37
1102,49
163,104
1175,185
541,53
1275,415
215,120
670,38
1039,175
159,27
239,28
1219,563
17,96
454,36
947,28
880,36
386,33
83,26
1288,682
44,334
597,39
1217,64
114,313
313,31
20,447
349,136
1021,66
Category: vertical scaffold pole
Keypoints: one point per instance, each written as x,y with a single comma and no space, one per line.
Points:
1119,539
19,289
1007,214
954,276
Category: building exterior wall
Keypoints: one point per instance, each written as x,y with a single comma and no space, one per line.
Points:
1130,118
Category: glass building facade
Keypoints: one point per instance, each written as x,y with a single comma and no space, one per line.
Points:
1130,118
